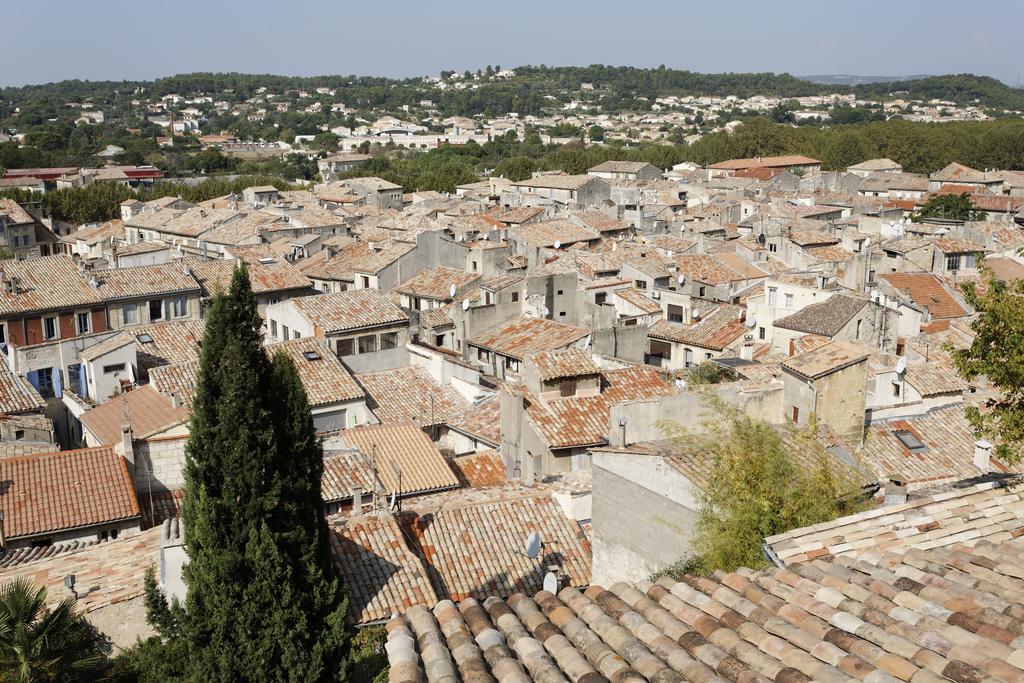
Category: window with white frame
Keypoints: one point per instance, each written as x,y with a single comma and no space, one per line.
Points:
130,313
83,322
50,328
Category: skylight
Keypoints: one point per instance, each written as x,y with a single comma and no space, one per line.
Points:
908,439
311,355
145,338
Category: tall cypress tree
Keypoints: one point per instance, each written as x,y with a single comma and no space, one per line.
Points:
263,601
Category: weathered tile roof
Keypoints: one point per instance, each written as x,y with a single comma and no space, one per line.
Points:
929,615
143,281
148,411
765,162
825,359
525,336
584,421
476,549
926,290
484,468
272,274
55,491
349,310
826,318
930,379
481,421
547,233
410,393
557,181
435,283
14,213
571,362
112,571
325,378
706,268
44,284
407,460
381,573
178,379
167,343
637,298
716,329
989,511
948,441
16,394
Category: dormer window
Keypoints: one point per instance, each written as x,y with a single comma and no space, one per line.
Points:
567,387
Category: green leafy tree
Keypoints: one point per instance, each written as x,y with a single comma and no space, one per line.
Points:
997,352
596,133
42,644
756,488
263,600
957,207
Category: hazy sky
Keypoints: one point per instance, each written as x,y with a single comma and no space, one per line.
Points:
135,39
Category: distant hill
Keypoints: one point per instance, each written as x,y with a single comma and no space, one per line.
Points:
960,88
850,80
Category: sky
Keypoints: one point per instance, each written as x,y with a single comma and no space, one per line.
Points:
138,40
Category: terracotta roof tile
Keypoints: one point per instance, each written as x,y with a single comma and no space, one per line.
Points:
403,452
826,318
481,421
927,291
43,284
325,378
410,393
525,336
17,395
825,359
48,492
349,310
484,468
719,326
148,411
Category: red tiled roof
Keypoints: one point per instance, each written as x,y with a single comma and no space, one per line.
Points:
48,492
148,410
525,336
479,469
926,290
410,393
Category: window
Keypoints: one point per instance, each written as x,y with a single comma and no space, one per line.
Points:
640,284
285,332
483,355
515,297
273,329
156,309
773,296
567,387
82,320
561,314
789,301
796,414
856,332
50,328
953,262
276,299
130,314
896,389
345,347
707,356
438,340
296,335
3,333
675,313
367,343
44,376
560,292
364,281
688,357
761,334
389,340
600,298
701,291
111,369
910,441
475,267
771,248
180,306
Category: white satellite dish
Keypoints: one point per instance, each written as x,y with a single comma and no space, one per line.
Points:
901,366
544,310
451,291
533,545
670,253
394,495
558,244
465,304
867,242
551,583
695,314
751,322
682,279
680,383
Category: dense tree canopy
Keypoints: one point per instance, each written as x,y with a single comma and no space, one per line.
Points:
997,352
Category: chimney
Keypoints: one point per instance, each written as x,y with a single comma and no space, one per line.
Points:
126,448
747,350
357,501
175,399
983,455
895,490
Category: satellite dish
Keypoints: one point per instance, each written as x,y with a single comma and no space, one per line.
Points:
670,253
751,322
465,304
451,291
695,313
901,366
680,383
544,310
558,244
867,242
394,495
682,279
533,545
551,583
